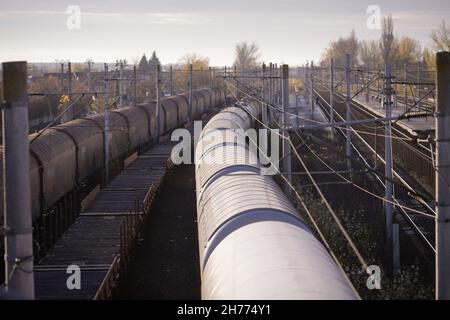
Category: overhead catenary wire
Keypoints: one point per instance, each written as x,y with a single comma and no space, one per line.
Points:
311,120
359,187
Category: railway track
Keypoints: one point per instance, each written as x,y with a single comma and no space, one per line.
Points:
368,145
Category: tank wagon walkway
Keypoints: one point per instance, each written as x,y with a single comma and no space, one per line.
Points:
101,250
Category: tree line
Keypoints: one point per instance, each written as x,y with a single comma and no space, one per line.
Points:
390,48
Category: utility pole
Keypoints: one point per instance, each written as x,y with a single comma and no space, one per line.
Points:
106,131
158,101
19,276
332,94
388,166
348,112
135,86
284,122
171,80
264,96
190,93
442,176
121,84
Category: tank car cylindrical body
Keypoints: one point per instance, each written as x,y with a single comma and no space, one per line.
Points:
253,243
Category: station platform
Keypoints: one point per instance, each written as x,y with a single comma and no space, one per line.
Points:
415,126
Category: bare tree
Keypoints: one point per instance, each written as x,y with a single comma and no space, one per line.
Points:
387,42
199,64
441,38
440,42
340,48
246,56
408,50
352,46
369,53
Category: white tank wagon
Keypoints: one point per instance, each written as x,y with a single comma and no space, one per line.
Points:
253,244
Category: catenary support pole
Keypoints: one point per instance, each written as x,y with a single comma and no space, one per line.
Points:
270,84
280,70
106,131
367,84
284,121
378,81
388,157
332,93
171,81
442,175
134,86
236,84
418,85
264,95
306,94
210,83
158,101
63,89
19,276
190,92
89,76
348,105
225,84
69,114
311,93
69,78
121,93
405,76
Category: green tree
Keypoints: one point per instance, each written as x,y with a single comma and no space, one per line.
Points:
154,61
143,63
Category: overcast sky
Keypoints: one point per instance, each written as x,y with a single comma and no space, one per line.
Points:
289,31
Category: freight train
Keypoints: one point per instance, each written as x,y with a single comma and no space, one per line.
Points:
253,243
68,159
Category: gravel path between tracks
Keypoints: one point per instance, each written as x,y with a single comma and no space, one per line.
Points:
165,265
